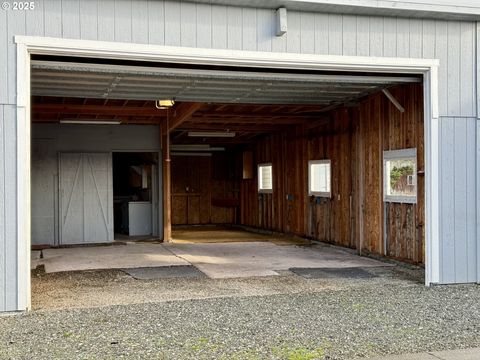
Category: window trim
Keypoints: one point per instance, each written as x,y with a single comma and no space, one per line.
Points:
259,188
399,154
323,194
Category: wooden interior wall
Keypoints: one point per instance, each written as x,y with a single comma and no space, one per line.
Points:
205,189
355,216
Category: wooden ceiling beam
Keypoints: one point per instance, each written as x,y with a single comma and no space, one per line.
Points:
182,113
253,120
78,109
232,127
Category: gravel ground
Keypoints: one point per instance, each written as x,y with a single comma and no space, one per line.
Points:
337,319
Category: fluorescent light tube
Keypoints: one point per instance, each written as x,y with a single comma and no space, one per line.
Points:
225,134
195,147
90,122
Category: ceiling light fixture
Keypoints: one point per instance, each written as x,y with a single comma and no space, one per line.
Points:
194,147
164,104
225,134
90,122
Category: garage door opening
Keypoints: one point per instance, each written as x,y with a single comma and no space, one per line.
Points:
224,127
330,157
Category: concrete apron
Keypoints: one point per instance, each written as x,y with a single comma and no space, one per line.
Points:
217,260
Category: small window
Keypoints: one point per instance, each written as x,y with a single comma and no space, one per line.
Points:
265,181
319,178
400,176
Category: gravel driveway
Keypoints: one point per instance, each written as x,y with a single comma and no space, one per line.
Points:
391,313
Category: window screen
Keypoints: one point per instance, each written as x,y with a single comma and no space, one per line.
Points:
400,176
319,178
265,181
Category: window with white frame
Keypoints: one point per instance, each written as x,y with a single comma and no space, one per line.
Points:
265,178
319,178
400,176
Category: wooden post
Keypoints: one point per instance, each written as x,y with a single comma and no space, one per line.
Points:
167,199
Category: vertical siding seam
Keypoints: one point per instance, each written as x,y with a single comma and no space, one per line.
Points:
61,19
441,200
369,36
131,21
79,22
211,27
383,35
226,26
114,18
256,29
466,202
44,22
98,20
164,23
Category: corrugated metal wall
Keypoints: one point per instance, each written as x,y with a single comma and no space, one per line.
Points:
215,26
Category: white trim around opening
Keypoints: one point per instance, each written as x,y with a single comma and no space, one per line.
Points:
27,45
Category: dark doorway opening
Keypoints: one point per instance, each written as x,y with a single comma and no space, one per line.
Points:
135,187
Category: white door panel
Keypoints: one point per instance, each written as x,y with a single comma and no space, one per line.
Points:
86,205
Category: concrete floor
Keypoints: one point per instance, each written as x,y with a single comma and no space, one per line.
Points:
131,255
232,260
223,234
228,259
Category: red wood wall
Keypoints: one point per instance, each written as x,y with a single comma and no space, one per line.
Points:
356,216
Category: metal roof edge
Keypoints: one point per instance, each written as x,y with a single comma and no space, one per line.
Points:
434,9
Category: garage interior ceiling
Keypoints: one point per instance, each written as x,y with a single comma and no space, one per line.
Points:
248,103
200,85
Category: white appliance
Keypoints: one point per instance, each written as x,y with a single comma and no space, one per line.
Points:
139,218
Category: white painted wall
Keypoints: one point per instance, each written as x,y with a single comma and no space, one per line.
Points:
50,139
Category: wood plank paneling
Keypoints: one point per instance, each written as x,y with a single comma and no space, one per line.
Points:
354,140
205,188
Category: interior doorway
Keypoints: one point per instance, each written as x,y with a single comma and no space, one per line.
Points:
135,194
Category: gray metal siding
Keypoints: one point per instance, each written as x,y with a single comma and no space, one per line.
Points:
8,207
201,25
3,243
458,204
219,26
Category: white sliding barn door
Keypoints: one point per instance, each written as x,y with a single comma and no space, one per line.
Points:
86,205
